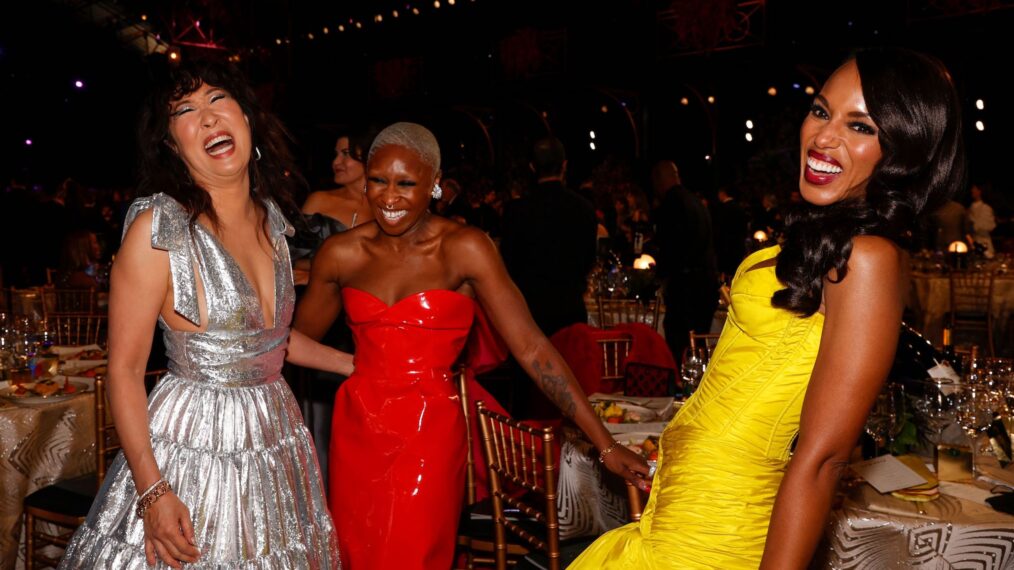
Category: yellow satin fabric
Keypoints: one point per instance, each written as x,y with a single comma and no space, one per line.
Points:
723,456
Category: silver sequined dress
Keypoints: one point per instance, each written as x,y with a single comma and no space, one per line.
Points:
226,431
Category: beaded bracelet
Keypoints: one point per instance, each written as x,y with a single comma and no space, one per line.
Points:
607,451
150,495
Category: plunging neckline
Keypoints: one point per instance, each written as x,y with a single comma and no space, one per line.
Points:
406,297
246,280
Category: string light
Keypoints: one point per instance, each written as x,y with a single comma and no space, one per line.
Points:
980,104
772,91
711,99
79,84
808,90
394,13
326,31
415,11
436,4
749,137
749,124
684,101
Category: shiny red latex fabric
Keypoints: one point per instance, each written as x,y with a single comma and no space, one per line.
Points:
397,459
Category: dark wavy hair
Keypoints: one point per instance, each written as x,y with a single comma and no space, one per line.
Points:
274,176
913,102
360,140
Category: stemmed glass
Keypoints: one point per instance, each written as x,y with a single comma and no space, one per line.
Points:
974,406
936,405
695,363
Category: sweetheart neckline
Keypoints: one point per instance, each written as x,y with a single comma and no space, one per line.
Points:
406,297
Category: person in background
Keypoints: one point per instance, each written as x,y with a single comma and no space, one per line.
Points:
548,242
326,213
686,258
79,262
750,463
950,224
982,221
731,230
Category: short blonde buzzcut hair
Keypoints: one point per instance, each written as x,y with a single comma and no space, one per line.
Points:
412,136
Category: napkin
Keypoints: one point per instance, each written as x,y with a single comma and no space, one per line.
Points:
65,350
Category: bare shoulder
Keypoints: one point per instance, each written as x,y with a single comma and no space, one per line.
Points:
874,254
348,242
466,240
138,235
315,201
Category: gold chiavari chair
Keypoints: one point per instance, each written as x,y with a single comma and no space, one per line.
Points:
614,354
68,301
704,340
64,505
522,480
613,312
972,304
79,330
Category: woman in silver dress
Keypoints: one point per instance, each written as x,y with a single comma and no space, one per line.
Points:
222,473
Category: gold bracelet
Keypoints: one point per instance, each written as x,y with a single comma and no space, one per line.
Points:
151,495
607,451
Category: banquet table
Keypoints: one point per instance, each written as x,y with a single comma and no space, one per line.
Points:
589,500
867,531
39,445
877,531
930,299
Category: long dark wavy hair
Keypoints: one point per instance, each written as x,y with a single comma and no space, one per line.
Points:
274,176
913,102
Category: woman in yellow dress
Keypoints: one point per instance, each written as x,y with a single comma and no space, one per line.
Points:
811,332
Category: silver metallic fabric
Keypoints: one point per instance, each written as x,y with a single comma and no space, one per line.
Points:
226,431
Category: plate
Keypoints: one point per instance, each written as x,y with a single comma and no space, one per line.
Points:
634,440
631,414
8,394
82,367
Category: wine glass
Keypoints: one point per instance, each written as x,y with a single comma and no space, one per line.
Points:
694,365
973,407
882,422
936,405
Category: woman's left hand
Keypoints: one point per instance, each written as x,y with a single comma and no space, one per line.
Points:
628,465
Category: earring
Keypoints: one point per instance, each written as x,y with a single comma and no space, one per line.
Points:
437,192
257,153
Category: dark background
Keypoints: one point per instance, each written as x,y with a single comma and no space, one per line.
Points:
490,76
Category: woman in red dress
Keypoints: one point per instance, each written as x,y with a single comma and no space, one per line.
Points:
407,282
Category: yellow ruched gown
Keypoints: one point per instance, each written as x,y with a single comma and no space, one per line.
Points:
723,456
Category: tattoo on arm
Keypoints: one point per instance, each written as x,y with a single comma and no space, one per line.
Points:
555,386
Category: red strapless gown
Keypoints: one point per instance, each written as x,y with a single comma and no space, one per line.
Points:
397,460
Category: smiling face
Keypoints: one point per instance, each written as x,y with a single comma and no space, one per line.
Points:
211,135
398,188
347,169
839,146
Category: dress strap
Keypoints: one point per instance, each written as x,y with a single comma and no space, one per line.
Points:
276,220
171,232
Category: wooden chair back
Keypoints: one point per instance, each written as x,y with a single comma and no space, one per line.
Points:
68,301
614,355
612,312
972,303
79,330
522,477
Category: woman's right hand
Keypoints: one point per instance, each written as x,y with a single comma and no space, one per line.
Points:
169,533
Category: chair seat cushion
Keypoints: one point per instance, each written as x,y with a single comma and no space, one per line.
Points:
72,497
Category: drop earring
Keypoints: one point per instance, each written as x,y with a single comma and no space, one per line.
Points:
437,192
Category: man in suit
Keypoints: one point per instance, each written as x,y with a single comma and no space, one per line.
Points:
686,260
731,227
548,242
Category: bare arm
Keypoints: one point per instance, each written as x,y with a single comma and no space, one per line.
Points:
861,325
139,288
306,352
322,302
509,314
